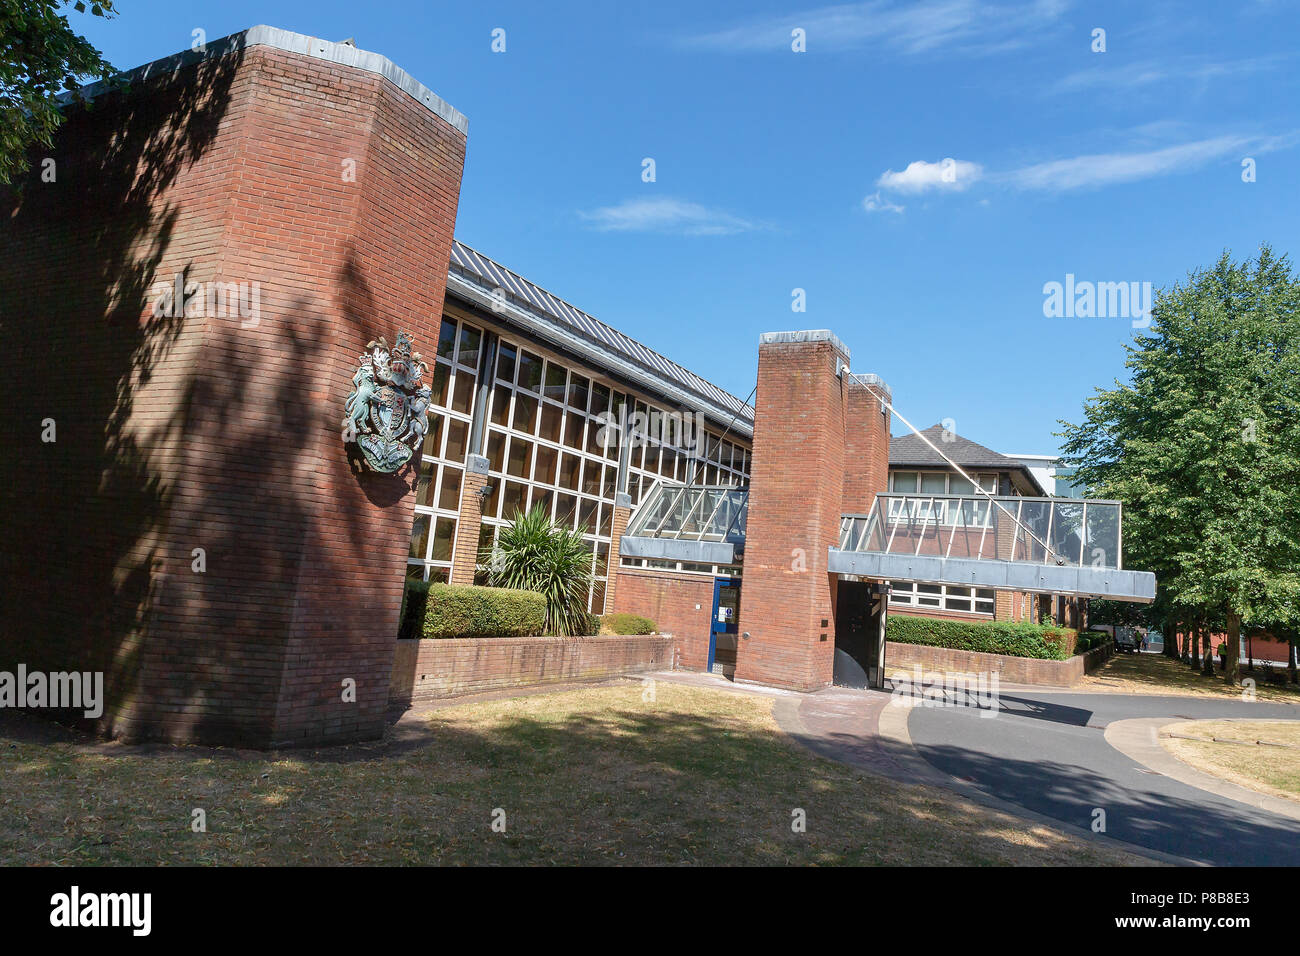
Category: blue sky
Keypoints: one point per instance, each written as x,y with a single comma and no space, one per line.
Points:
921,170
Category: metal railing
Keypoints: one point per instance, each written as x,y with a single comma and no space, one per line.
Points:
692,513
1057,531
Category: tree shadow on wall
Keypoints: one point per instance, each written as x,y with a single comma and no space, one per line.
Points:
80,516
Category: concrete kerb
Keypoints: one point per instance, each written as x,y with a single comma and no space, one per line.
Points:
896,744
1138,739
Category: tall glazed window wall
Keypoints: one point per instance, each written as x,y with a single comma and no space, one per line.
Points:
547,444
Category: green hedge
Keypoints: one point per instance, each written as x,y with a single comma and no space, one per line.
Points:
458,610
629,624
1015,638
1091,640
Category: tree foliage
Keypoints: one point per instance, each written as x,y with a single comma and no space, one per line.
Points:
1203,445
41,57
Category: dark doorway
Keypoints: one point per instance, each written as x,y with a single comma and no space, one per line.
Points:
859,611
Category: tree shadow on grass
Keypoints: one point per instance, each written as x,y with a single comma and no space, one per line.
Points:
627,782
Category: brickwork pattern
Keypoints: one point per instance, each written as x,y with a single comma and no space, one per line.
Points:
212,432
432,669
795,500
670,600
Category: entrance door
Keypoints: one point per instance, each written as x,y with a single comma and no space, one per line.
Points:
859,634
722,627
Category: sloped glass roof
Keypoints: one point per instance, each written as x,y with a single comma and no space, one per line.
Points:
692,513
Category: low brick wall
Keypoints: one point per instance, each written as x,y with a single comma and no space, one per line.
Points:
679,604
1013,670
430,669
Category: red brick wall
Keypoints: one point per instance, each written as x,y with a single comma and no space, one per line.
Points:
430,669
866,451
670,601
795,498
1012,670
213,433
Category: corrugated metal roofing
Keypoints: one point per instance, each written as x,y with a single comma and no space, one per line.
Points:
471,261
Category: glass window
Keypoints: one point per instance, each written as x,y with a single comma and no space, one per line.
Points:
424,485
578,388
958,485
441,376
525,414
420,536
446,338
444,530
470,340
496,450
462,393
515,500
552,419
457,440
587,515
520,459
569,470
932,484
500,405
573,423
545,470
449,495
506,363
530,371
555,381
903,482
433,438
566,507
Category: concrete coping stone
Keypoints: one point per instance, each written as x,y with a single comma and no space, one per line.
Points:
805,337
342,53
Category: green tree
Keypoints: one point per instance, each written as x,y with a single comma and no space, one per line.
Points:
535,554
1203,446
40,58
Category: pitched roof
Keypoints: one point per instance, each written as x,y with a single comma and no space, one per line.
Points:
909,451
469,261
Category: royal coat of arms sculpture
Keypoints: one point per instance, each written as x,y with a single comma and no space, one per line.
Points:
387,413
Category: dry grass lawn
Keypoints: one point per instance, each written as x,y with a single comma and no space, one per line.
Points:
591,776
1230,749
1157,674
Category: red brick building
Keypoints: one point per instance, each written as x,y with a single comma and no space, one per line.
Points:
186,303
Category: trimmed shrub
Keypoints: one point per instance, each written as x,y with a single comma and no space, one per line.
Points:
1091,640
1014,638
628,624
459,610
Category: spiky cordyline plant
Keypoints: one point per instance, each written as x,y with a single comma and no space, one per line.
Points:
535,554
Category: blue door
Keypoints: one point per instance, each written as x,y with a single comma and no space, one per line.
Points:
723,626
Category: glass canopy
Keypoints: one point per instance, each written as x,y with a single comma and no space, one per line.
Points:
1052,531
692,513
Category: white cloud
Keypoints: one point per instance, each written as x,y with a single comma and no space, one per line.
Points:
666,215
970,26
920,176
874,203
1081,172
1131,75
1104,169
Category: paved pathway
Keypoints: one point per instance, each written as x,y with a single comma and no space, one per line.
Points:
1056,756
1048,751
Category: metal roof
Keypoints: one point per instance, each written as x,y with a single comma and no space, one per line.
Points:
468,261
